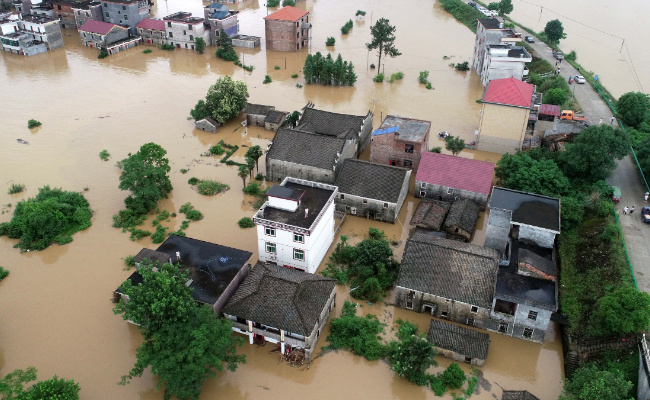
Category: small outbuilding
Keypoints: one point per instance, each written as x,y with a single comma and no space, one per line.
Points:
256,114
461,219
274,119
517,395
430,214
207,124
458,343
548,112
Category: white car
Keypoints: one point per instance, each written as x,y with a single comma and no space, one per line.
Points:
580,79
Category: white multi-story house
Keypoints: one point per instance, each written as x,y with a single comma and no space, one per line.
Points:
182,30
295,226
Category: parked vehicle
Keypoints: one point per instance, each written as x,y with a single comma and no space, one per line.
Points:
616,194
558,55
471,4
580,79
645,215
493,13
570,115
529,39
486,12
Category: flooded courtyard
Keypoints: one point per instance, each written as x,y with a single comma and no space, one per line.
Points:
55,308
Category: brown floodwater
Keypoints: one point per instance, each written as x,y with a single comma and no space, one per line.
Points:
55,309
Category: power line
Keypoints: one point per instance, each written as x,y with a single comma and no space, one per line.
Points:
633,68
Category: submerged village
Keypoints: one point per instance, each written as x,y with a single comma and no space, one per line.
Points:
309,247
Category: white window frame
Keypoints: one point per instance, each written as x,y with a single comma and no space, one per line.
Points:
268,245
532,315
423,185
298,253
268,231
450,191
301,238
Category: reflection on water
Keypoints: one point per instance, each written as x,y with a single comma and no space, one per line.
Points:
55,309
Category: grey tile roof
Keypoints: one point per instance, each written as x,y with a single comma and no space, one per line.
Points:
329,123
275,117
152,256
517,395
305,148
537,261
450,269
430,214
463,214
282,298
527,208
464,341
210,120
258,109
372,181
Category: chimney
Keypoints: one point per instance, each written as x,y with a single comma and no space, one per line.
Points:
306,212
500,25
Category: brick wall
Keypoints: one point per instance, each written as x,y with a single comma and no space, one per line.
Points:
387,149
286,35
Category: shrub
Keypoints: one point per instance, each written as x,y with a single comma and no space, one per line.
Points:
345,29
253,189
159,235
259,177
267,79
184,171
190,212
572,56
462,12
429,86
464,66
16,188
167,46
210,187
217,150
104,155
246,223
199,45
273,3
294,75
330,41
128,261
102,54
299,86
193,181
360,335
436,150
372,66
32,123
453,377
52,389
423,78
359,12
396,76
555,96
277,67
288,3
378,78
3,273
147,51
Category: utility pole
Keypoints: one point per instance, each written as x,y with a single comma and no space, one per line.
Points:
540,13
622,44
285,63
368,60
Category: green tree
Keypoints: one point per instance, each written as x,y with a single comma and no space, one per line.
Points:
633,108
554,31
53,389
643,155
623,311
255,152
589,383
520,171
199,45
226,51
454,144
12,385
592,155
493,6
556,97
505,7
226,98
243,173
145,175
412,355
292,119
383,39
250,163
200,111
288,3
360,335
453,376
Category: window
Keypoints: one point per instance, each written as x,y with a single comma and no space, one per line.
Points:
298,255
184,32
58,7
450,191
423,194
171,34
298,34
409,305
408,148
503,327
444,314
105,5
169,24
189,27
342,196
365,201
528,333
423,185
123,7
532,315
270,247
126,17
468,360
269,231
191,37
408,163
385,205
470,321
120,21
347,208
298,238
119,12
474,309
106,13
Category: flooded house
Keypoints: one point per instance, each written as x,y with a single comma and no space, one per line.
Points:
207,124
344,126
214,271
370,190
295,226
508,107
219,17
152,31
447,178
307,155
282,306
287,29
400,142
448,279
182,29
274,120
491,32
256,114
247,41
64,12
429,215
29,34
102,35
87,10
458,343
125,12
461,219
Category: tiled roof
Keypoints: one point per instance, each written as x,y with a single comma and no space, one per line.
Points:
450,269
210,120
549,109
329,123
464,341
463,214
489,23
372,181
275,117
517,395
282,298
287,13
430,214
305,148
455,172
151,256
98,27
510,92
537,261
257,109
527,208
153,24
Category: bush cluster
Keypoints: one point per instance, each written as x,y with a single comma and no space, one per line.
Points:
327,71
246,222
345,29
211,187
16,188
190,212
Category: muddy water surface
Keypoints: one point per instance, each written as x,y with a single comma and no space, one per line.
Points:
55,310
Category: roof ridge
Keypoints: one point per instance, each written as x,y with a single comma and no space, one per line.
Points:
462,247
335,113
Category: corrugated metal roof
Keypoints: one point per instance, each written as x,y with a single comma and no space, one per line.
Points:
99,27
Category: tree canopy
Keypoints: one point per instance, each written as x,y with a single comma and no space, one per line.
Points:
554,31
225,100
454,144
623,311
505,7
383,39
412,355
199,45
12,387
255,152
556,96
327,71
539,175
145,175
226,51
633,108
589,383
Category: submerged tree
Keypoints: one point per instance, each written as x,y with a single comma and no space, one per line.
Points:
327,71
226,51
412,355
255,152
383,39
224,100
144,174
199,45
454,144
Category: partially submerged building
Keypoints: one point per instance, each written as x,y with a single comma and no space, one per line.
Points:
29,34
461,219
504,61
246,41
102,34
283,306
219,17
295,226
256,114
287,29
182,29
400,142
207,124
127,13
429,215
491,32
151,30
458,343
370,190
447,178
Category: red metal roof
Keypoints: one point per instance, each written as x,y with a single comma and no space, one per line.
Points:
509,91
153,24
287,13
455,172
549,109
98,27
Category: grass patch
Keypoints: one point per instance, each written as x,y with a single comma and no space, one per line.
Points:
147,51
399,75
190,212
104,155
217,150
294,75
246,222
16,188
211,188
32,123
465,14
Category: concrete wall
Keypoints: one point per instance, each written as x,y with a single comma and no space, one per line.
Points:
180,35
457,356
502,67
286,35
455,310
93,13
53,35
539,236
387,149
115,35
33,50
151,36
206,126
122,14
255,119
518,322
438,192
502,128
364,136
249,43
